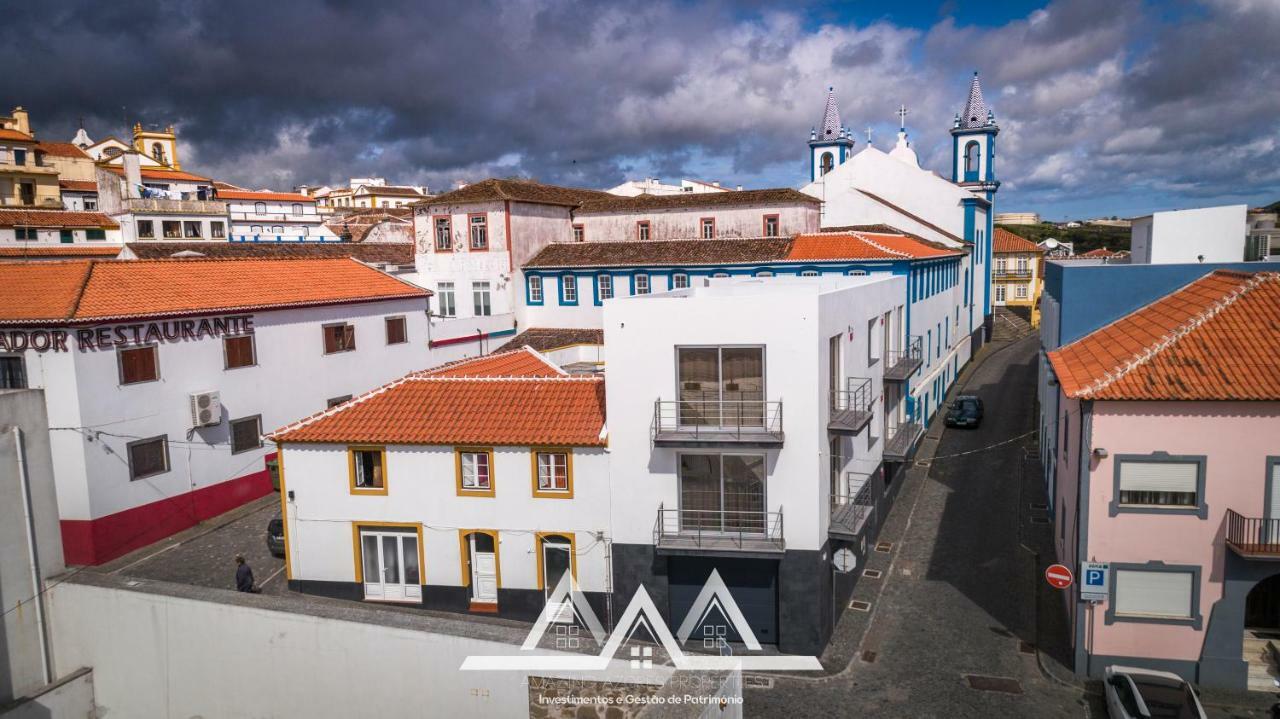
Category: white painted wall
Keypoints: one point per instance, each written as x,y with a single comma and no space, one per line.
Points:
685,223
422,488
1209,234
53,236
793,319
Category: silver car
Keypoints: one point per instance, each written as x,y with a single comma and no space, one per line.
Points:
1134,693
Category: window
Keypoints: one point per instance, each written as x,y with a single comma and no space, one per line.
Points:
809,273
94,234
26,233
569,289
475,472
444,235
1000,293
27,192
138,364
191,230
397,331
157,151
535,289
1154,594
1021,292
552,473
390,568
172,229
255,229
297,208
642,230
721,386
335,401
246,434
146,229
971,162
260,208
1158,484
579,233
367,469
720,274
1022,264
90,203
708,227
642,284
339,338
480,298
679,281
13,374
445,296
238,352
217,230
604,287
770,225
148,457
722,493
19,156
277,230
857,273
479,232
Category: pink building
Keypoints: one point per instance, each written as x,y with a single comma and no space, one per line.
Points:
1167,425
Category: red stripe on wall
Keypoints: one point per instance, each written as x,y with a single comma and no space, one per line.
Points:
94,541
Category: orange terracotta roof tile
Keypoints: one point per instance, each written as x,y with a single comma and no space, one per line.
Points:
155,173
63,251
1006,241
61,149
8,134
1218,338
863,246
433,409
263,196
56,219
109,290
520,362
78,185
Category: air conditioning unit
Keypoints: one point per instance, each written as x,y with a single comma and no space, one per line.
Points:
206,409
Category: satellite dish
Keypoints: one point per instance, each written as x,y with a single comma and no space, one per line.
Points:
1051,243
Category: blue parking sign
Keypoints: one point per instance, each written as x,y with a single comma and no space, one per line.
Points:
1094,578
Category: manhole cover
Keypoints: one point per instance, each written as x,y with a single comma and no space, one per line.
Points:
859,605
1026,647
923,462
884,546
1003,685
755,681
1039,520
871,573
869,657
1039,506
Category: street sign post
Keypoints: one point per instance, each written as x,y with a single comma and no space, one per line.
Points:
844,560
1094,581
1058,576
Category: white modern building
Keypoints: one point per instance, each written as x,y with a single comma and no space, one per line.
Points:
655,186
471,488
1209,234
160,377
160,204
262,216
750,422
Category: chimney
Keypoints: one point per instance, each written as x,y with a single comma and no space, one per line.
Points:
132,175
21,120
739,188
459,184
715,183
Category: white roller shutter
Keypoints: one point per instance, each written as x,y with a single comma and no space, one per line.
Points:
1158,476
1274,499
1160,594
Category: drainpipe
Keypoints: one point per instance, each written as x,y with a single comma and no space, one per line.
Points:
37,586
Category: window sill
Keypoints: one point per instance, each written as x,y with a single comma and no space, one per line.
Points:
476,493
370,491
553,493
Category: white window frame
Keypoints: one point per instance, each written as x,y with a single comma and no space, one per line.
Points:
482,298
679,280
604,287
447,291
642,284
535,288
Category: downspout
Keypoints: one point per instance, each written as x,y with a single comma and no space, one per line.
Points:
37,588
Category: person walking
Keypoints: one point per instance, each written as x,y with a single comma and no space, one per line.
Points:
244,576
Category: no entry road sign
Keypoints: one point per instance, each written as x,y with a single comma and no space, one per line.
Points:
1058,576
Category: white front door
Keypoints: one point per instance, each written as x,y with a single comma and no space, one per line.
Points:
1000,294
484,568
556,562
390,563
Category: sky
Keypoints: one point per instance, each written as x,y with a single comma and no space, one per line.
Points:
1106,107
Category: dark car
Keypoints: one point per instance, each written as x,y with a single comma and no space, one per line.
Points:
965,411
275,537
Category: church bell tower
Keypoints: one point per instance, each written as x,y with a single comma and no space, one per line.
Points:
830,145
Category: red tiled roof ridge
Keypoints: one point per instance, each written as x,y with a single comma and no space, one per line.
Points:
501,378
1249,282
879,246
454,364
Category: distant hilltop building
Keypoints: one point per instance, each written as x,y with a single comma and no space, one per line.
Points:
1017,218
654,186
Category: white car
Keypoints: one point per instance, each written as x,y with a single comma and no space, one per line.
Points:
1134,693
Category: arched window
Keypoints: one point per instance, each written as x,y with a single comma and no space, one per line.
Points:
157,152
971,161
260,208
827,163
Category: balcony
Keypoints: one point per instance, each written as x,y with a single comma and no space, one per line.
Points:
159,206
1253,537
849,514
28,168
901,364
694,423
719,531
1011,274
900,440
851,407
313,219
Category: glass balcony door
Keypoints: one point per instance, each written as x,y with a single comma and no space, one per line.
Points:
721,386
390,561
722,493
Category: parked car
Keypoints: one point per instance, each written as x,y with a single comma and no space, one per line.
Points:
275,537
965,411
1134,693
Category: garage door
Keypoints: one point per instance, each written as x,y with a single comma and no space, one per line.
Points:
753,583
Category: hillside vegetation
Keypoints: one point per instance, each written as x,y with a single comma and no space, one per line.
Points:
1088,237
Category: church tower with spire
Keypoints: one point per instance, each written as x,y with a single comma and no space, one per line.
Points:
973,148
831,144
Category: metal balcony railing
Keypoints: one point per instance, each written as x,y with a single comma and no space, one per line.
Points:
851,407
849,513
900,439
1012,273
745,421
718,530
901,364
175,207
1253,537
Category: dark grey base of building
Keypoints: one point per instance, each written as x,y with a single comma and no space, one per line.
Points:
519,604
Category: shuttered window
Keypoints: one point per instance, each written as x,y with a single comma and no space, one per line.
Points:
1161,484
1154,594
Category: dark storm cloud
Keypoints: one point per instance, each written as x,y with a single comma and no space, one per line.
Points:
1092,94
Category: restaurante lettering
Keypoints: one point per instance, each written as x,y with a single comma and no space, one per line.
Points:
107,337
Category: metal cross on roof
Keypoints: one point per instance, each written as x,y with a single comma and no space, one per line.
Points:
902,117
868,134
